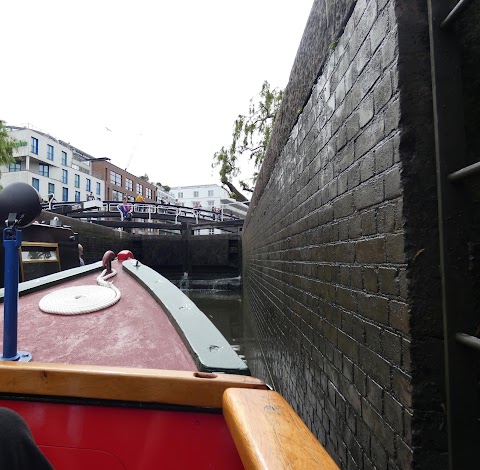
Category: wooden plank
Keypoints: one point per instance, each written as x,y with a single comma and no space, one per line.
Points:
119,383
269,434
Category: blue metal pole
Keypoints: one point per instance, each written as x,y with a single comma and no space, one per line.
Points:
12,240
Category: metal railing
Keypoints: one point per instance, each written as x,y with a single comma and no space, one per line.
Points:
150,209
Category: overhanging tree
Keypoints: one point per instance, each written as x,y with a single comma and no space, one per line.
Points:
251,135
7,144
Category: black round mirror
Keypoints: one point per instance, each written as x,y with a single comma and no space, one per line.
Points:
20,199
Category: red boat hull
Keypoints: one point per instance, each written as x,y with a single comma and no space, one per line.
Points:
79,437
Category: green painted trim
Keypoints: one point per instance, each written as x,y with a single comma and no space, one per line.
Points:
207,345
53,279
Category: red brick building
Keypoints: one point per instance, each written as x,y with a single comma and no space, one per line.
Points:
119,183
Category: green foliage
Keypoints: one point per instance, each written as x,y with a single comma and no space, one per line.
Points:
251,135
7,144
144,178
165,187
333,44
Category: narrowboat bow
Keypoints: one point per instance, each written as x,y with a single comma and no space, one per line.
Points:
122,371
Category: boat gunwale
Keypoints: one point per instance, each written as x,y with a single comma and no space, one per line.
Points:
209,349
197,389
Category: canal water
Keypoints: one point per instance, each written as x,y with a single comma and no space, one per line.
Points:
225,311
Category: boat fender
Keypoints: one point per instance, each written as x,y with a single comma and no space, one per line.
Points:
124,255
107,259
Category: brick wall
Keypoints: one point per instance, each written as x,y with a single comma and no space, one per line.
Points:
344,207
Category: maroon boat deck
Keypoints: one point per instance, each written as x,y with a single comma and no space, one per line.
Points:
135,332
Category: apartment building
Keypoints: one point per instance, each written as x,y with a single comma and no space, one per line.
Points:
208,196
51,166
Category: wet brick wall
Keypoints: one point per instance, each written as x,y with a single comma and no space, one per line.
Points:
340,250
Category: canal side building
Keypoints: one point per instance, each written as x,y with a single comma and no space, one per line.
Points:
208,196
51,166
119,183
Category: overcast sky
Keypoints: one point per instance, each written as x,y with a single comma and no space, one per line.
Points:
167,78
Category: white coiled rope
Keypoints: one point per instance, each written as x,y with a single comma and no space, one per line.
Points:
82,299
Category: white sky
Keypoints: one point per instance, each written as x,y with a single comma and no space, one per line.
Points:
168,78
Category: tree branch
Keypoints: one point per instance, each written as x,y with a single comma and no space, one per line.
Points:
238,195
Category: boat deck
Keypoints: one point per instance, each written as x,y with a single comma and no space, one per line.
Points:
135,332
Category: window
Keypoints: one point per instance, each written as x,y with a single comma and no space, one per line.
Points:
64,194
36,183
77,196
77,181
139,188
210,193
43,170
128,184
195,194
210,203
64,176
34,146
99,187
180,195
117,195
115,178
16,166
211,231
64,158
50,152
88,186
51,188
148,193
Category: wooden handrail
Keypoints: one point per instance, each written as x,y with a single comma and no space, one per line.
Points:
119,383
269,434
